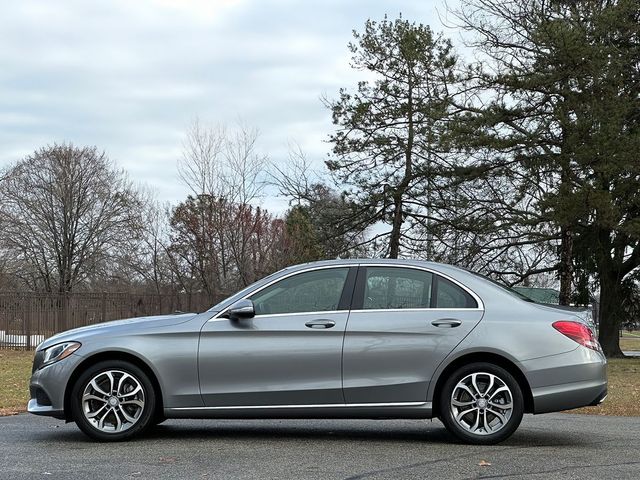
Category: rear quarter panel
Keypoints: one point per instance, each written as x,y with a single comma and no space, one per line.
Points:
521,332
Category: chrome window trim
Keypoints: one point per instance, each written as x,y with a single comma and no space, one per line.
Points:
319,405
414,309
478,300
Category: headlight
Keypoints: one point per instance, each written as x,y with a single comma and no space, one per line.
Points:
58,352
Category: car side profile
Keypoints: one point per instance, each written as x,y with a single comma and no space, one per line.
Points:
369,339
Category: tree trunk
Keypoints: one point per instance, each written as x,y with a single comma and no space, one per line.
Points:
396,226
565,270
610,313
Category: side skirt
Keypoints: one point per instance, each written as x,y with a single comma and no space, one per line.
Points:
407,410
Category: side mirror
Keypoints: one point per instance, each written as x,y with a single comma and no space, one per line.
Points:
241,309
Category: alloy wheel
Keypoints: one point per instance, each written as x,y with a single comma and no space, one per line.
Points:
481,403
113,401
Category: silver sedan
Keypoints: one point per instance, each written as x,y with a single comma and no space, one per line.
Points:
335,339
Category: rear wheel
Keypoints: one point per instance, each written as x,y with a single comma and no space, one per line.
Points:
481,403
113,401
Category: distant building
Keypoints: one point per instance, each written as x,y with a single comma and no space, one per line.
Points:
551,296
540,295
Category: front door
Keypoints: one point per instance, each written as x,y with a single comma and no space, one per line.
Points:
289,353
403,323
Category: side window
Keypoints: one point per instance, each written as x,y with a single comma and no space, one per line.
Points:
314,291
393,287
450,295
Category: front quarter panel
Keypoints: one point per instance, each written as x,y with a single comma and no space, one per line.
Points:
168,350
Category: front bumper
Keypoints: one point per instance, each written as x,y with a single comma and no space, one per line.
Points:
48,386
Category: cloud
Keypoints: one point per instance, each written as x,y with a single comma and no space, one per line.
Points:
129,76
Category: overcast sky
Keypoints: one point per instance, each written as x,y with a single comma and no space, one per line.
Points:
130,75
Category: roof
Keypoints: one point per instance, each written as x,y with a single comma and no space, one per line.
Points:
540,295
365,261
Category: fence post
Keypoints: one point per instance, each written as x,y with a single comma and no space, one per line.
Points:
27,322
103,307
62,312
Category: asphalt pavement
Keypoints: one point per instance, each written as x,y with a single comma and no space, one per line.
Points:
545,446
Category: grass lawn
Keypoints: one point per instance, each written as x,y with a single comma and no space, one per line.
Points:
630,341
15,370
623,399
624,390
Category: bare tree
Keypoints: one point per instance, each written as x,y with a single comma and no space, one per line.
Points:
201,165
296,178
65,213
215,232
245,168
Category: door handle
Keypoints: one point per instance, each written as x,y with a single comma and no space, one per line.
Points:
318,324
447,323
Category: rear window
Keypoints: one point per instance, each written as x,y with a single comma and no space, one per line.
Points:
450,295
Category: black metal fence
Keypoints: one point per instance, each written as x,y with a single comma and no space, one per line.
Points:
26,319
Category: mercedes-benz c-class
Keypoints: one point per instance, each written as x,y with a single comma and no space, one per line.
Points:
369,339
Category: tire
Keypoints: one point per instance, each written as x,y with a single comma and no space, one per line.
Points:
120,414
488,420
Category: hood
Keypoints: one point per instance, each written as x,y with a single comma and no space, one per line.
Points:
128,325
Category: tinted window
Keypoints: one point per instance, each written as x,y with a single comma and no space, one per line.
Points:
389,287
450,295
314,291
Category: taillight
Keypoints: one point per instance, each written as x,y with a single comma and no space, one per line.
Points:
578,332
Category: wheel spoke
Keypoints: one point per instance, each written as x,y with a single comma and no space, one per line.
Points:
126,416
95,386
487,428
477,422
118,425
101,422
465,412
466,389
112,382
503,406
132,392
458,403
97,412
491,382
475,384
498,414
139,403
499,390
88,396
121,383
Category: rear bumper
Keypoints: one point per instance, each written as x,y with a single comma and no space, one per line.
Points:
570,380
599,399
567,397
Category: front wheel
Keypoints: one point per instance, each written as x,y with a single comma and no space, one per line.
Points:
481,403
112,401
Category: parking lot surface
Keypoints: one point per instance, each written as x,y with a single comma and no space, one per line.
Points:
546,446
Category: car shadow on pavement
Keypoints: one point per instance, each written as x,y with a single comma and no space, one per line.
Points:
415,432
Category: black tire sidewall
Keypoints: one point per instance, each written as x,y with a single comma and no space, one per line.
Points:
446,416
145,420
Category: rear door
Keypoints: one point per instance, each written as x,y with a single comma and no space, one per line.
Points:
404,321
289,353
